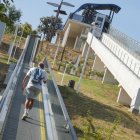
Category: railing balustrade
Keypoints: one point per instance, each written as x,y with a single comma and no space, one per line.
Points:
9,91
64,110
126,42
129,60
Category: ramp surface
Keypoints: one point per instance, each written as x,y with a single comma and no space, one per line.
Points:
59,119
17,129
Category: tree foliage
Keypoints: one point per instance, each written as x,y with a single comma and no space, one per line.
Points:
27,29
7,2
9,14
2,12
48,26
14,14
88,15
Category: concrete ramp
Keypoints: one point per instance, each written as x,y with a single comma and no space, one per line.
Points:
123,66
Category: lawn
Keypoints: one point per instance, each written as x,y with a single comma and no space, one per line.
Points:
4,67
95,113
4,58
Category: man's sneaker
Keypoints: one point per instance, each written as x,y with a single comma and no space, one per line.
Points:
25,115
28,115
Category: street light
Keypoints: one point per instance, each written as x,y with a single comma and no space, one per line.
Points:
59,11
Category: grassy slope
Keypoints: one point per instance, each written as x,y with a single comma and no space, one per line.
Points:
4,58
100,100
8,38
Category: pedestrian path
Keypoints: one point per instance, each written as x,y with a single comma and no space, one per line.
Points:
34,127
17,129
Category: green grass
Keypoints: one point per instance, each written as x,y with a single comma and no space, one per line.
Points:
4,58
91,87
8,38
4,67
100,100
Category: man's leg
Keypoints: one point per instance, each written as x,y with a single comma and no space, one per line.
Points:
31,103
27,103
27,106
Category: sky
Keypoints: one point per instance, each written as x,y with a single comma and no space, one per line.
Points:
126,21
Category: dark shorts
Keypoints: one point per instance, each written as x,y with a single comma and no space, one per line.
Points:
32,92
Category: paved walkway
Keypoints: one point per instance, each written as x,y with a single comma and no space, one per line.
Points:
62,133
33,128
17,129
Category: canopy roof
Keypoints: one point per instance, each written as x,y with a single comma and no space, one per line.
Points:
94,6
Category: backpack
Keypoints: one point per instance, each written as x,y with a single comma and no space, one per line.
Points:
37,77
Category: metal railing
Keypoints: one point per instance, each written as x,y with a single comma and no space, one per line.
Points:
64,110
9,91
50,126
125,41
123,55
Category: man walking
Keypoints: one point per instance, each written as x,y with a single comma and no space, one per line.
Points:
34,77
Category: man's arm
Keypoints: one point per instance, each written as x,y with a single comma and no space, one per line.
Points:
26,78
24,82
45,77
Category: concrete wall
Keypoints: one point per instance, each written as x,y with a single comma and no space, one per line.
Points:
109,78
98,65
70,42
84,51
127,79
123,97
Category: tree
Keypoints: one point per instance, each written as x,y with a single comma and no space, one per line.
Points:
7,1
34,32
27,29
14,14
3,9
88,15
48,26
10,15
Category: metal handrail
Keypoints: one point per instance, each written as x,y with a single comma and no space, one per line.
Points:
50,126
122,54
64,110
10,82
8,93
125,41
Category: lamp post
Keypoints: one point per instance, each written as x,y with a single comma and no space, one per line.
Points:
59,11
